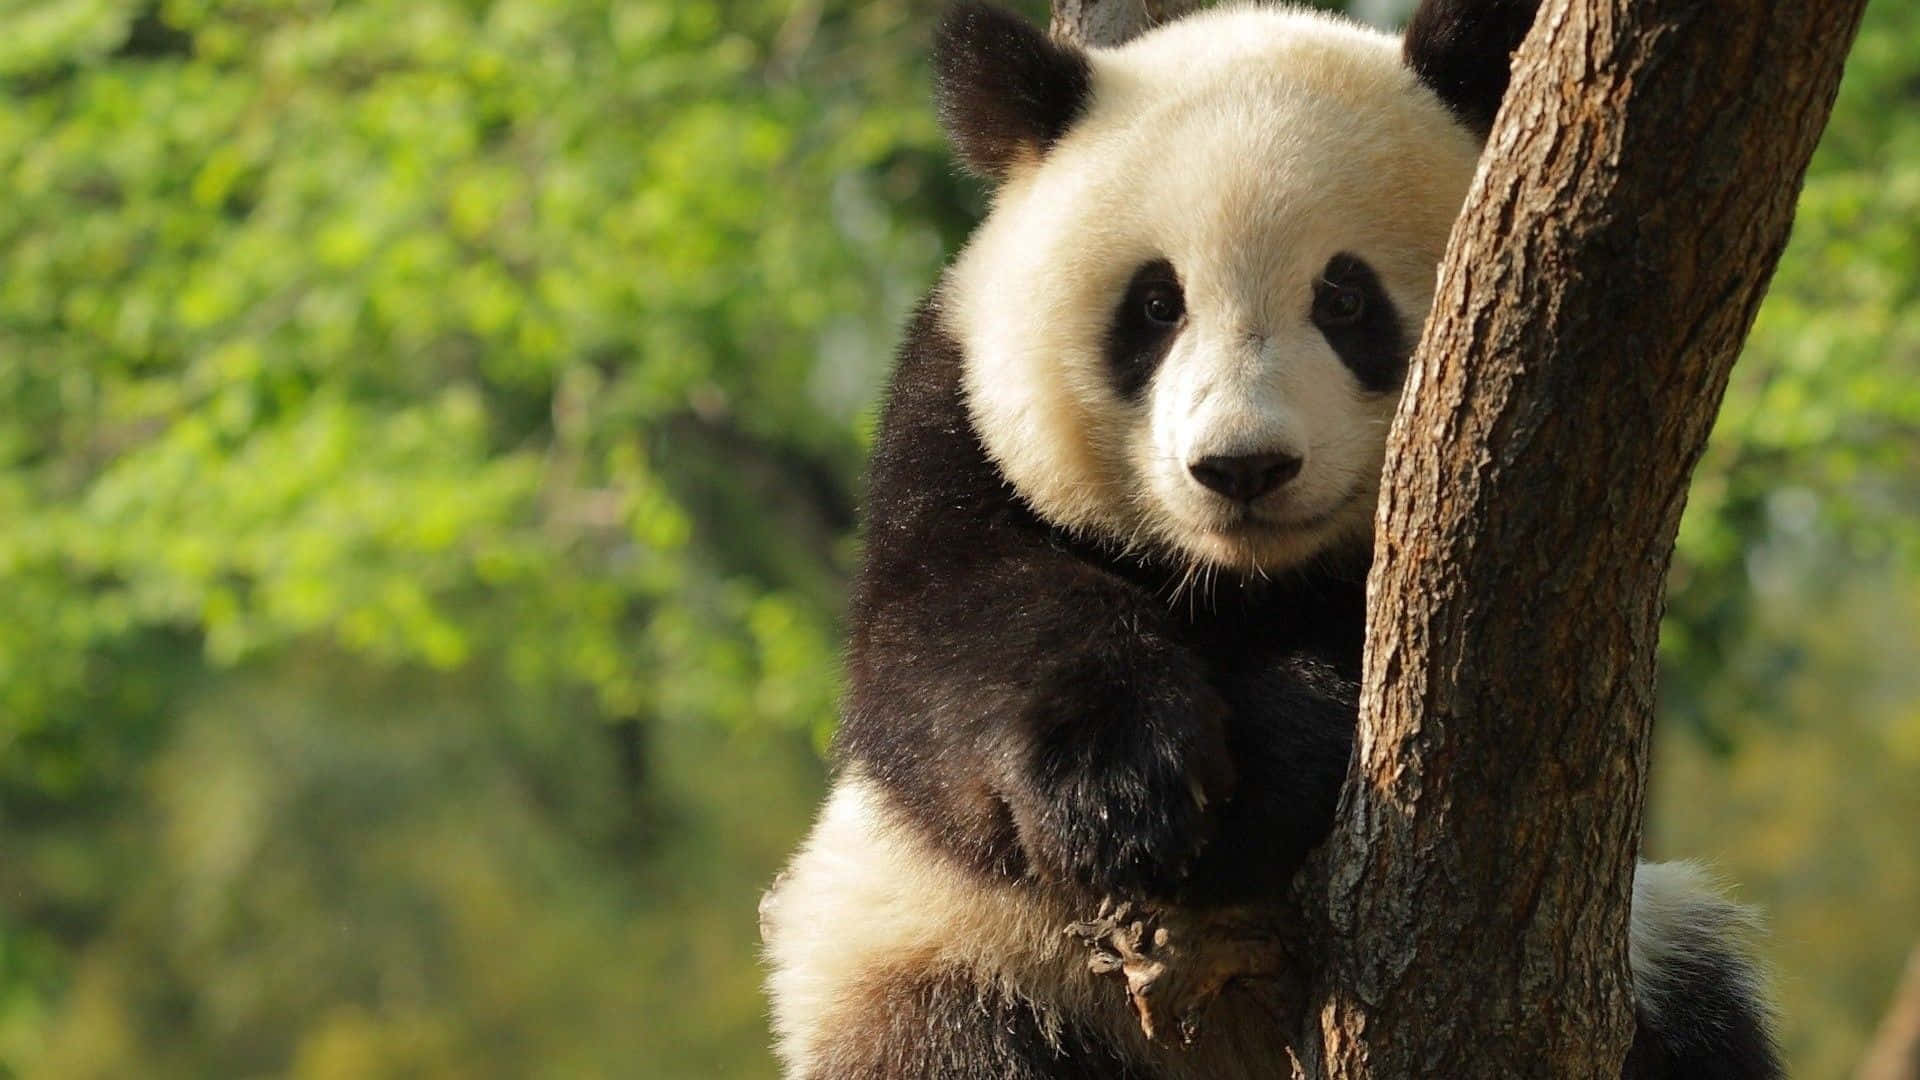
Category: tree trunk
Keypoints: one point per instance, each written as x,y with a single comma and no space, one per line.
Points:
1638,190
1110,22
1895,1053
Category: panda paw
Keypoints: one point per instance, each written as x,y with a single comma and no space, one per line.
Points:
1130,808
1129,942
1175,962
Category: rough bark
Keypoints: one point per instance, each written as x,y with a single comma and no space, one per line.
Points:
1895,1053
1638,190
1110,22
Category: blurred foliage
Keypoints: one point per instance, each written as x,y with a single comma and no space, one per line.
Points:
428,480
1814,468
391,324
418,410
1815,820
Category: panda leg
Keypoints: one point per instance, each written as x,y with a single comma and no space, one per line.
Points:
947,1026
1698,999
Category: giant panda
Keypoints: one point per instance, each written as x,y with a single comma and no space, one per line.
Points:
1106,637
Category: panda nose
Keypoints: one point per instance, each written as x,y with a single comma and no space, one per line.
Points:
1245,477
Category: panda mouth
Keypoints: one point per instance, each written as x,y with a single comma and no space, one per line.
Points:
1248,522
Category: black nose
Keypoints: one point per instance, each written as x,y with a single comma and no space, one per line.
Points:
1245,477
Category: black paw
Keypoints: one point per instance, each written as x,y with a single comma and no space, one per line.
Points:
1126,807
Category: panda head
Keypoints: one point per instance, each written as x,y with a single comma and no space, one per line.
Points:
1188,315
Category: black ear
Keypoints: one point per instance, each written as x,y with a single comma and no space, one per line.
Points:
1005,91
1463,50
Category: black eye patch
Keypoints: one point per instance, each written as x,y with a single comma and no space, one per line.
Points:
1149,316
1351,309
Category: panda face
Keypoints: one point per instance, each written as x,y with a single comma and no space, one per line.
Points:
1186,322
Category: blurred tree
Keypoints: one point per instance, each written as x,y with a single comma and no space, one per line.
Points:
1895,1052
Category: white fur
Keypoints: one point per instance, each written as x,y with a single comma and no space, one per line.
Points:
866,899
1246,145
1682,924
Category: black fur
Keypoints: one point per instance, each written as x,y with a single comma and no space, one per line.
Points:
1739,1047
1375,345
1044,709
1708,1026
1004,90
1463,51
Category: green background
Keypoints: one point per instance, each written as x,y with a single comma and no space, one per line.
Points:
431,440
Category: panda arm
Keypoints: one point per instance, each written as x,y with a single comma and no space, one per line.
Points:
1038,715
1290,737
1032,712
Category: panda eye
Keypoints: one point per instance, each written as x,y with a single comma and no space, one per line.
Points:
1145,324
1353,312
1162,304
1338,305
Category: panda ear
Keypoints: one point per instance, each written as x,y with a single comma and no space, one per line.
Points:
1463,51
1005,91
